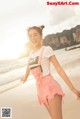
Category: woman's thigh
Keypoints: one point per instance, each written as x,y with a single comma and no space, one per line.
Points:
55,107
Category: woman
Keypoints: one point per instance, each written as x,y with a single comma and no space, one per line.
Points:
49,91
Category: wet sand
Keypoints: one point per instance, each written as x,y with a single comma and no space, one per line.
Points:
23,98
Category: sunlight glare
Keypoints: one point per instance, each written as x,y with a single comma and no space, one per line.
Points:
11,49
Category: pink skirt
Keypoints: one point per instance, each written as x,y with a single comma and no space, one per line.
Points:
47,88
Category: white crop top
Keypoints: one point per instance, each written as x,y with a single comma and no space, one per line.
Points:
45,62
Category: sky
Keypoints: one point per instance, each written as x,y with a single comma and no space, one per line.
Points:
17,15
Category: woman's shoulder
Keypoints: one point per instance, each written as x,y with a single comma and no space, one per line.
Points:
48,48
48,51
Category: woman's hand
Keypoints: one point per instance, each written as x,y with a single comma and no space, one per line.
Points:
23,80
77,93
63,75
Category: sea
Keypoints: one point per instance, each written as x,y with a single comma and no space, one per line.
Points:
14,69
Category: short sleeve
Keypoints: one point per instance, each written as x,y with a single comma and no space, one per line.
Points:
48,52
28,58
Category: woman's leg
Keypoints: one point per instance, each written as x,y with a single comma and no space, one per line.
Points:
55,107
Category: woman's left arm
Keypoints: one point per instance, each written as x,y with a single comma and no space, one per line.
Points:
63,75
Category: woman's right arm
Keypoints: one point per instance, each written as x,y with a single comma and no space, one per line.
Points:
26,75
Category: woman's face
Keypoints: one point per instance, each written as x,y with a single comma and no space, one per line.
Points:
35,37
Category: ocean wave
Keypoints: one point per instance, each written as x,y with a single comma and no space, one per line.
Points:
12,65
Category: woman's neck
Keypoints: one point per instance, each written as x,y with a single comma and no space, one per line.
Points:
37,48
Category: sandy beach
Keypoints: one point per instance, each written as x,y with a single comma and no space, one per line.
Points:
22,98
